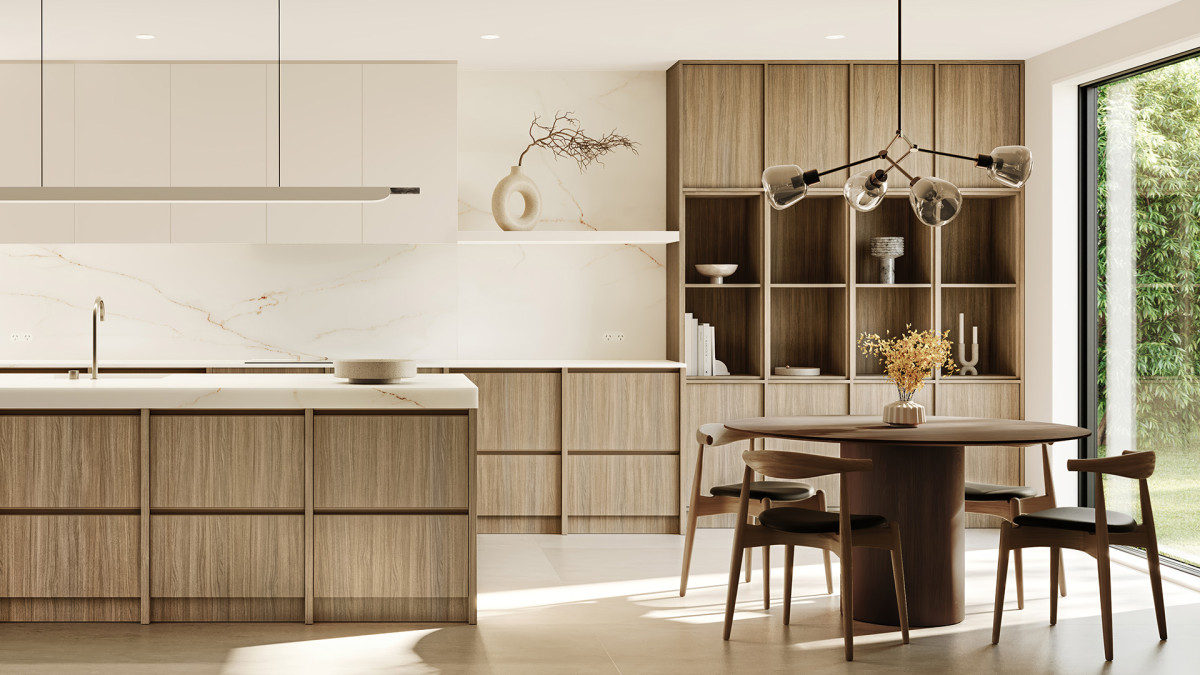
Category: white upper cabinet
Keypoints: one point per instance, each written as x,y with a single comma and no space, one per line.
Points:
409,140
223,124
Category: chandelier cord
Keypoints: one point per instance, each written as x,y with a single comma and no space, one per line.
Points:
899,94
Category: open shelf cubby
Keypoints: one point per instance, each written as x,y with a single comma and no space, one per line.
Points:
808,328
736,316
888,310
724,229
894,218
982,245
997,313
808,242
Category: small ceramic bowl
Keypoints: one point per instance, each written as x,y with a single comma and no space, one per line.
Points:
716,273
374,371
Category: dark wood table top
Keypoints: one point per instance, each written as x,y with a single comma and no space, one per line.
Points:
947,431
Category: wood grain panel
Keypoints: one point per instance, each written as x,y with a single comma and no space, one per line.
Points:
391,567
69,609
722,125
227,461
807,118
69,461
985,247
893,218
984,464
736,314
519,485
623,485
884,310
868,398
390,461
785,400
221,556
808,242
519,411
979,108
625,525
69,556
873,115
996,311
520,524
622,411
715,403
724,230
808,328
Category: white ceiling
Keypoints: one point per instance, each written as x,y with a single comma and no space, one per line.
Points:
553,35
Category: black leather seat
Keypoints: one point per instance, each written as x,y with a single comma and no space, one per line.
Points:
807,521
984,492
1076,518
775,490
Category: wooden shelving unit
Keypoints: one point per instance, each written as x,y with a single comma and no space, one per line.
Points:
806,285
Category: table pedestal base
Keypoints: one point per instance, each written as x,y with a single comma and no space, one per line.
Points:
920,488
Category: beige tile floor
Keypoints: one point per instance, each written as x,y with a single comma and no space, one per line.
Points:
609,604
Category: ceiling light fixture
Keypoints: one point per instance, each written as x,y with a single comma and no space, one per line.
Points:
834,37
489,36
935,201
145,36
184,195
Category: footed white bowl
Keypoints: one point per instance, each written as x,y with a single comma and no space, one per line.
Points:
716,273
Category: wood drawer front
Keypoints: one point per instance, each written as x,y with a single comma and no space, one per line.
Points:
519,485
227,461
624,485
391,567
708,403
622,411
519,411
69,556
69,461
227,556
390,461
869,399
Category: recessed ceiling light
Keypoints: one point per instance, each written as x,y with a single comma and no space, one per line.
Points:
144,36
834,37
489,36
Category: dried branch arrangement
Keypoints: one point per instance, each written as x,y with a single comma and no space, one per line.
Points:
564,137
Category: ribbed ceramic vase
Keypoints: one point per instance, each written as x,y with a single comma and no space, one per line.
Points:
904,413
516,182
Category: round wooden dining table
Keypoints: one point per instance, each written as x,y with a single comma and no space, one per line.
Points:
917,482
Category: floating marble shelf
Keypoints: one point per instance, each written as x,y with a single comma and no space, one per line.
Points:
569,237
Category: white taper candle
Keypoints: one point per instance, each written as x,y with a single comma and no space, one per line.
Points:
974,335
962,335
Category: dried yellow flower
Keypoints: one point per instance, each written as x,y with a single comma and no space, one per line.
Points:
910,358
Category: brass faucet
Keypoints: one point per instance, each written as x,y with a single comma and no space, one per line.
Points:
97,317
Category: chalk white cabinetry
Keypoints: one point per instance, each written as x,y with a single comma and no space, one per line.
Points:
217,124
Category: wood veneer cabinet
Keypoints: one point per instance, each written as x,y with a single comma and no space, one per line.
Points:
806,286
69,461
724,125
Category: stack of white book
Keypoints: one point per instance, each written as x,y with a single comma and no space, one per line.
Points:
700,348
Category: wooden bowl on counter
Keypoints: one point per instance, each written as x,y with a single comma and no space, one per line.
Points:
374,371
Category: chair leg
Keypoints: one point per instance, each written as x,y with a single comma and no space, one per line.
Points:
1020,579
1103,570
749,559
1160,610
691,524
766,566
1062,578
1001,577
825,552
789,553
898,582
731,595
848,601
1055,575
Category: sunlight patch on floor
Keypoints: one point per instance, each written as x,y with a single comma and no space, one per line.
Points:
384,652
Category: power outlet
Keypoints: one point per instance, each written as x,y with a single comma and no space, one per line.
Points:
21,337
614,336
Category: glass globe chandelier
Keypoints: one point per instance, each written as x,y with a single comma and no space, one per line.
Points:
935,201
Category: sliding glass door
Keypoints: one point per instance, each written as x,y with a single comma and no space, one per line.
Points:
1142,288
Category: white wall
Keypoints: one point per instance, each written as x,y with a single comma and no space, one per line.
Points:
231,301
1052,84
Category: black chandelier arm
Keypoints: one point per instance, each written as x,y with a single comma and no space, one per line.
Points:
847,166
980,160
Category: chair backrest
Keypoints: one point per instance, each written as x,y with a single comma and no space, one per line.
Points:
715,433
1136,465
796,465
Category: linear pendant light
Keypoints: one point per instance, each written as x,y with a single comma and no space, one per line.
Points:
935,201
186,195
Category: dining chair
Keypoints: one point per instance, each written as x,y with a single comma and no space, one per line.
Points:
792,526
1091,531
1008,502
724,499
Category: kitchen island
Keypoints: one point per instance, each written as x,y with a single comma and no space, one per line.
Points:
182,497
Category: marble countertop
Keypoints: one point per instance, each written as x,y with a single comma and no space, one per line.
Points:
83,365
232,392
